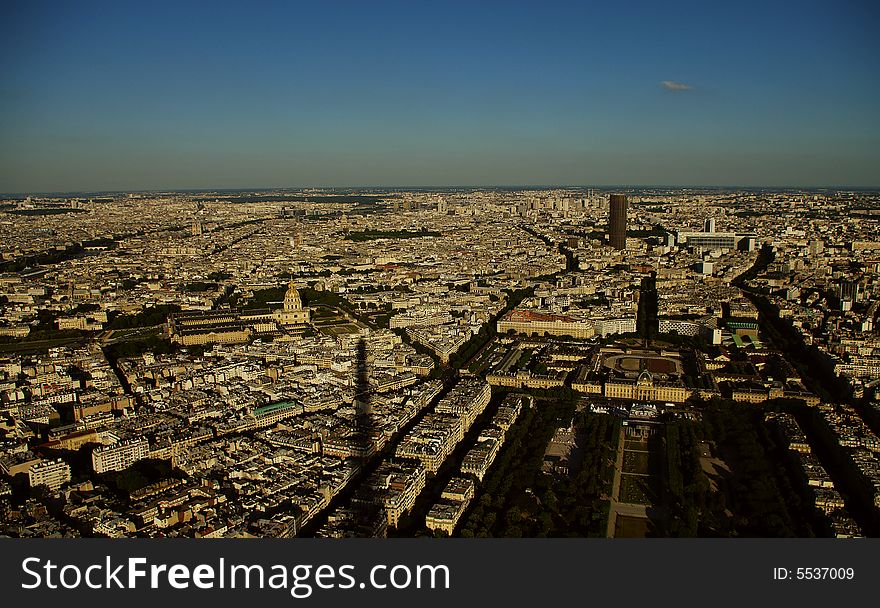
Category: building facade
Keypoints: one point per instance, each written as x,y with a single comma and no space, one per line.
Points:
120,455
50,473
292,312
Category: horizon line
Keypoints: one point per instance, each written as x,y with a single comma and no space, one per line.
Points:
859,188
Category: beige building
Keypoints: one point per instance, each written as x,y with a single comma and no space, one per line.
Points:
396,486
537,323
16,331
445,514
645,389
194,329
525,379
292,312
234,334
50,473
119,456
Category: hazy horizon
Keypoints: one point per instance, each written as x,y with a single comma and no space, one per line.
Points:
444,187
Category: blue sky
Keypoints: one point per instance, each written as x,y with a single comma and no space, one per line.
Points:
119,95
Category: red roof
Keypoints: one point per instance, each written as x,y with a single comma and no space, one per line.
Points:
530,315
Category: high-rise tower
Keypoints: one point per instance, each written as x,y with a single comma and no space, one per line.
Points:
617,221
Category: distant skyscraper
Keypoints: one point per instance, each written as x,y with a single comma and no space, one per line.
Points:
617,221
709,225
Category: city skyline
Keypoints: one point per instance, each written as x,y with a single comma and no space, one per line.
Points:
460,362
605,188
119,98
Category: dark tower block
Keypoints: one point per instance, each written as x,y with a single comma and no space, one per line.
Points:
617,221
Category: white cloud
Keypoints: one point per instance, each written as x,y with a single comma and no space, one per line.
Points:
671,85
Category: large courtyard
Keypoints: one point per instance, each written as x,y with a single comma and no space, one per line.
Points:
632,364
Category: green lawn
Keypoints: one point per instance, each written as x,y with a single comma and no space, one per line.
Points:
635,462
637,489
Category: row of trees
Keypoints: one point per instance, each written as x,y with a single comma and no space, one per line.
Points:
687,485
760,493
371,235
576,504
134,348
507,506
148,317
47,258
199,286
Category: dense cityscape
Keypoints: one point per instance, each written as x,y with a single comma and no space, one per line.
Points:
623,362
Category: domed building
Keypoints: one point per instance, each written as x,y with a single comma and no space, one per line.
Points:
292,313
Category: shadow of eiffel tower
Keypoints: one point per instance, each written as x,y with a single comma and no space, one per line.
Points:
369,500
362,392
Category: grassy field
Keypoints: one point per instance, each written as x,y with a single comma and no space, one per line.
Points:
332,322
631,527
636,462
637,489
36,346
